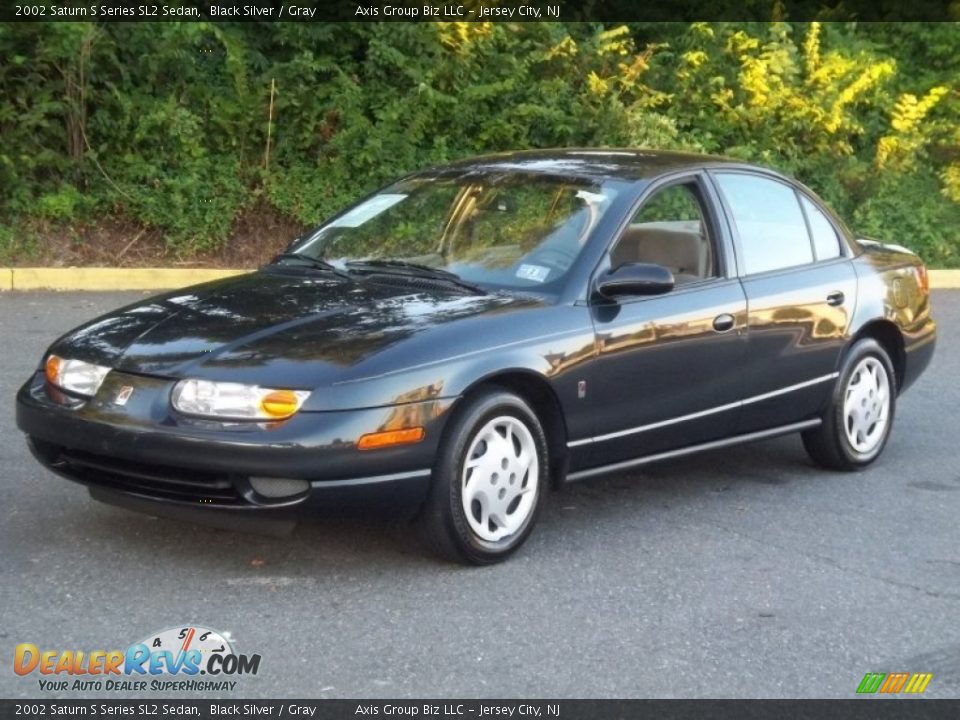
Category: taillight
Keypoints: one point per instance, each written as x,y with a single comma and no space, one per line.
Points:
923,279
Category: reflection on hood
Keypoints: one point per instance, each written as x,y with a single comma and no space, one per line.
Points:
271,319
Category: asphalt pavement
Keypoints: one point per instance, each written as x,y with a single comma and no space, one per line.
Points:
742,572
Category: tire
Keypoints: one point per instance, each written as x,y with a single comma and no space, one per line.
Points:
858,421
487,489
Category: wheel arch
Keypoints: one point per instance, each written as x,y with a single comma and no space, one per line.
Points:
890,338
537,392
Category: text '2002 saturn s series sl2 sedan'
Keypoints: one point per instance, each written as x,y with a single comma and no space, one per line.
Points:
475,334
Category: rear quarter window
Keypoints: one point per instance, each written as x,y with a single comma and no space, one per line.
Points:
826,243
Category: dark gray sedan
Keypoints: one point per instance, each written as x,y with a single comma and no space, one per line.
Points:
475,334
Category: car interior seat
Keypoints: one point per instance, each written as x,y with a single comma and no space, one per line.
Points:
681,247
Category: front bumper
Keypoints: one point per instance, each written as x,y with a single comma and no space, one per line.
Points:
147,455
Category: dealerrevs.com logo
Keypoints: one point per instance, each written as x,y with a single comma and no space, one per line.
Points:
177,659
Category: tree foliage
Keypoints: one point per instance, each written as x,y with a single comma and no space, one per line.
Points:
168,124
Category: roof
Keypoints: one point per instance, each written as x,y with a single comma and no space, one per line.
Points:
595,163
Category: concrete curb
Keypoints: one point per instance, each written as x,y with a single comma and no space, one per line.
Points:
96,278
100,279
944,279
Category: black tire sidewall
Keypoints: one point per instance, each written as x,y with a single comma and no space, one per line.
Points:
448,470
862,349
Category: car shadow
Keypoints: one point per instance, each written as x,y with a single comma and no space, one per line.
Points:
336,539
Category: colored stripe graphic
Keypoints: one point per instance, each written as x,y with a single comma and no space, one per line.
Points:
918,683
871,682
892,683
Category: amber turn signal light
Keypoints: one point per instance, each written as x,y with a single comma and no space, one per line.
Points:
280,403
389,438
52,369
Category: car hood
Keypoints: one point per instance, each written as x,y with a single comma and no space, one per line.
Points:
287,328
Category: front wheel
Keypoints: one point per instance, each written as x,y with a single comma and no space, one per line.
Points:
488,480
858,422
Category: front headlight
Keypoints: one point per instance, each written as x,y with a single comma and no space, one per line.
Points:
234,401
75,376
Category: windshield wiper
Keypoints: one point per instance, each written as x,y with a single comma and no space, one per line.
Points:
313,262
412,269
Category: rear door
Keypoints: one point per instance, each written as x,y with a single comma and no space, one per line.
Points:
800,291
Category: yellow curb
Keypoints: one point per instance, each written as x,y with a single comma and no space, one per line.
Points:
94,278
944,279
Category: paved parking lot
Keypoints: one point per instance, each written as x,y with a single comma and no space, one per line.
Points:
741,572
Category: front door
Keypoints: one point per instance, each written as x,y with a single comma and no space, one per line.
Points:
669,368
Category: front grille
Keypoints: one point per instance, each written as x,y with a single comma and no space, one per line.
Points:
158,481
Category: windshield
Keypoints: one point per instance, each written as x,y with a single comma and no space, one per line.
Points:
509,231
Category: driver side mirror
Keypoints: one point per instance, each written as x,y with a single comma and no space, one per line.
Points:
635,279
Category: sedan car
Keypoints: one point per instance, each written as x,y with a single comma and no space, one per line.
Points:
474,335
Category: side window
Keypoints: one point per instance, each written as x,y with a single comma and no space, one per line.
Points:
772,231
826,244
670,229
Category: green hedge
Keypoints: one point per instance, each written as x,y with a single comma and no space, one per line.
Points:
167,124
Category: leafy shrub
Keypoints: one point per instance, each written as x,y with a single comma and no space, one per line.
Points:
169,124
906,209
64,203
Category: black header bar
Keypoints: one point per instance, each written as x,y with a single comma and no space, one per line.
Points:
863,709
475,10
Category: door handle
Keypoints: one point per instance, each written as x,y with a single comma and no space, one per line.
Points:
723,323
835,298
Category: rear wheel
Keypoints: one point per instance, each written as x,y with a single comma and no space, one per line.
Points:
488,480
858,422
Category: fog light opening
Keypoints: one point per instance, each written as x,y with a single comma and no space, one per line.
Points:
270,487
